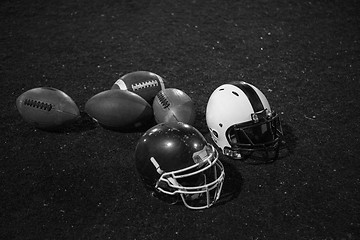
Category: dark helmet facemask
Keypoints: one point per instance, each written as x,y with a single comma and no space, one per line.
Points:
258,139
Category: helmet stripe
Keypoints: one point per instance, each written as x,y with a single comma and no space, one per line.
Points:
251,94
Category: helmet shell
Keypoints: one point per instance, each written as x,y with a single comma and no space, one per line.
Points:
171,144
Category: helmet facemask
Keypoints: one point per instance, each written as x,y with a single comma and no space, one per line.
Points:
197,186
258,139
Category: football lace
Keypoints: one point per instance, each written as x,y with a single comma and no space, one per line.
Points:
163,101
146,84
38,104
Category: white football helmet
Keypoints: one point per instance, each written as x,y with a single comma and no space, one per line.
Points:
241,122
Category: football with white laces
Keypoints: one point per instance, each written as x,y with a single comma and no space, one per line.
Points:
145,84
174,105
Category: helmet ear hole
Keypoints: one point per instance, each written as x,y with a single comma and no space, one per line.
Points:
220,124
215,133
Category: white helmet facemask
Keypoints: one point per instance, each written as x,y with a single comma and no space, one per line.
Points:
199,186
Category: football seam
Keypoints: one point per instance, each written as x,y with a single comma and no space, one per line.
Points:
146,84
38,104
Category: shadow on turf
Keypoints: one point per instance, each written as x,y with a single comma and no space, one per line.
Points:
233,180
231,188
232,184
86,123
132,129
287,146
289,139
82,124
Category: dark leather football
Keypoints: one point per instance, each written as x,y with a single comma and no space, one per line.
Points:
47,108
174,105
117,109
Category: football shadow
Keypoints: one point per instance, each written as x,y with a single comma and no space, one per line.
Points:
143,127
82,124
86,123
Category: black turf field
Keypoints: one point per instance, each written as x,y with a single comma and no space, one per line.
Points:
81,183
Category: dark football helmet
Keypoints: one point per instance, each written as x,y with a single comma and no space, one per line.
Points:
176,164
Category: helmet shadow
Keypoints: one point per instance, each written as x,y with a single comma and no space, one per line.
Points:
232,185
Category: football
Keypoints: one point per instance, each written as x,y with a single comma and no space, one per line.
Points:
145,84
173,105
119,110
47,108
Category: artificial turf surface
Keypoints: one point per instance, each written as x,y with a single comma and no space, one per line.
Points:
81,183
